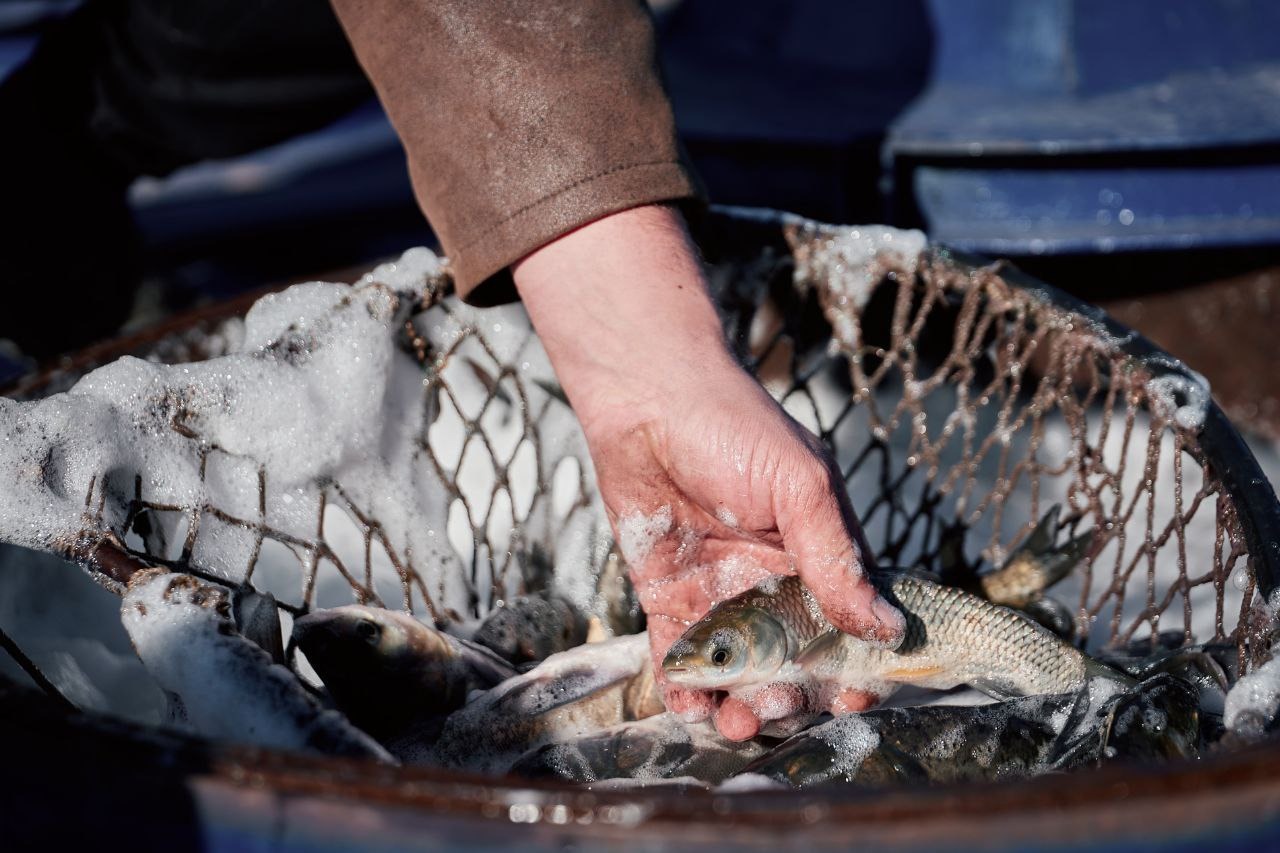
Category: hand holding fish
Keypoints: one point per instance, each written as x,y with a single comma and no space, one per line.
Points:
710,486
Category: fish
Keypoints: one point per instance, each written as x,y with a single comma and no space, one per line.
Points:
1051,614
1036,565
776,632
390,674
1204,666
622,613
661,747
1021,583
257,619
569,695
1104,721
937,744
529,628
1156,719
224,685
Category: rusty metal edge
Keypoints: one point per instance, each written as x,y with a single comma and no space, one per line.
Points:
1227,790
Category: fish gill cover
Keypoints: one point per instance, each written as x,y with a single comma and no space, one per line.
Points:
388,445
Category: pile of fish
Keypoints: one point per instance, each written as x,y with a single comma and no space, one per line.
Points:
536,692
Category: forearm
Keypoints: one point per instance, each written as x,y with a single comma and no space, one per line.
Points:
622,307
520,121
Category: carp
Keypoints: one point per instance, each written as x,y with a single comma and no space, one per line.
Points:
776,632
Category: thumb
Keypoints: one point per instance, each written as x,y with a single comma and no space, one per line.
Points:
824,541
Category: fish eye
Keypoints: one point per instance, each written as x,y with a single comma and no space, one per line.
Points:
367,630
721,656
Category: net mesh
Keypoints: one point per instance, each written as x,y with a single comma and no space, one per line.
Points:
960,406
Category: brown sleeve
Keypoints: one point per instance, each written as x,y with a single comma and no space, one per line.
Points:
521,120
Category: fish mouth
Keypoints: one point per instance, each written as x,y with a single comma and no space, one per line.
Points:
675,668
681,672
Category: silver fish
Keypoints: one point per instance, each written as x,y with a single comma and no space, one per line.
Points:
571,694
393,676
656,748
226,686
777,632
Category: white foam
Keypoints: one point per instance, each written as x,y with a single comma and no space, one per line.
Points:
411,271
852,261
1184,398
851,737
318,391
638,533
1254,698
748,782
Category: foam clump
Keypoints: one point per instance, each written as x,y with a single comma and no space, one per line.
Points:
225,686
409,271
318,392
1254,700
745,783
851,737
639,533
852,261
1183,398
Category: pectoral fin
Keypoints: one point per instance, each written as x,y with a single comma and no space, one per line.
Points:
819,650
914,674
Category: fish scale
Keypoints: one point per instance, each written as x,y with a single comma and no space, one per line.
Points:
969,640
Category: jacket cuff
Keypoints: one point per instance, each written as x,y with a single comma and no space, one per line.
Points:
481,262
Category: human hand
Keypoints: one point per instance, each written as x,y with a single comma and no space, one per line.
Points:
710,486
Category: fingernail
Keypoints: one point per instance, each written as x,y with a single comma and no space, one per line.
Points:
892,623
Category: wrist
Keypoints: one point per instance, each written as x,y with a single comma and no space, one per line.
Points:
622,308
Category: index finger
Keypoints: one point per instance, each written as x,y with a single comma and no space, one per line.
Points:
820,534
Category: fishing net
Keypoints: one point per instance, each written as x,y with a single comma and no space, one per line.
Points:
386,444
